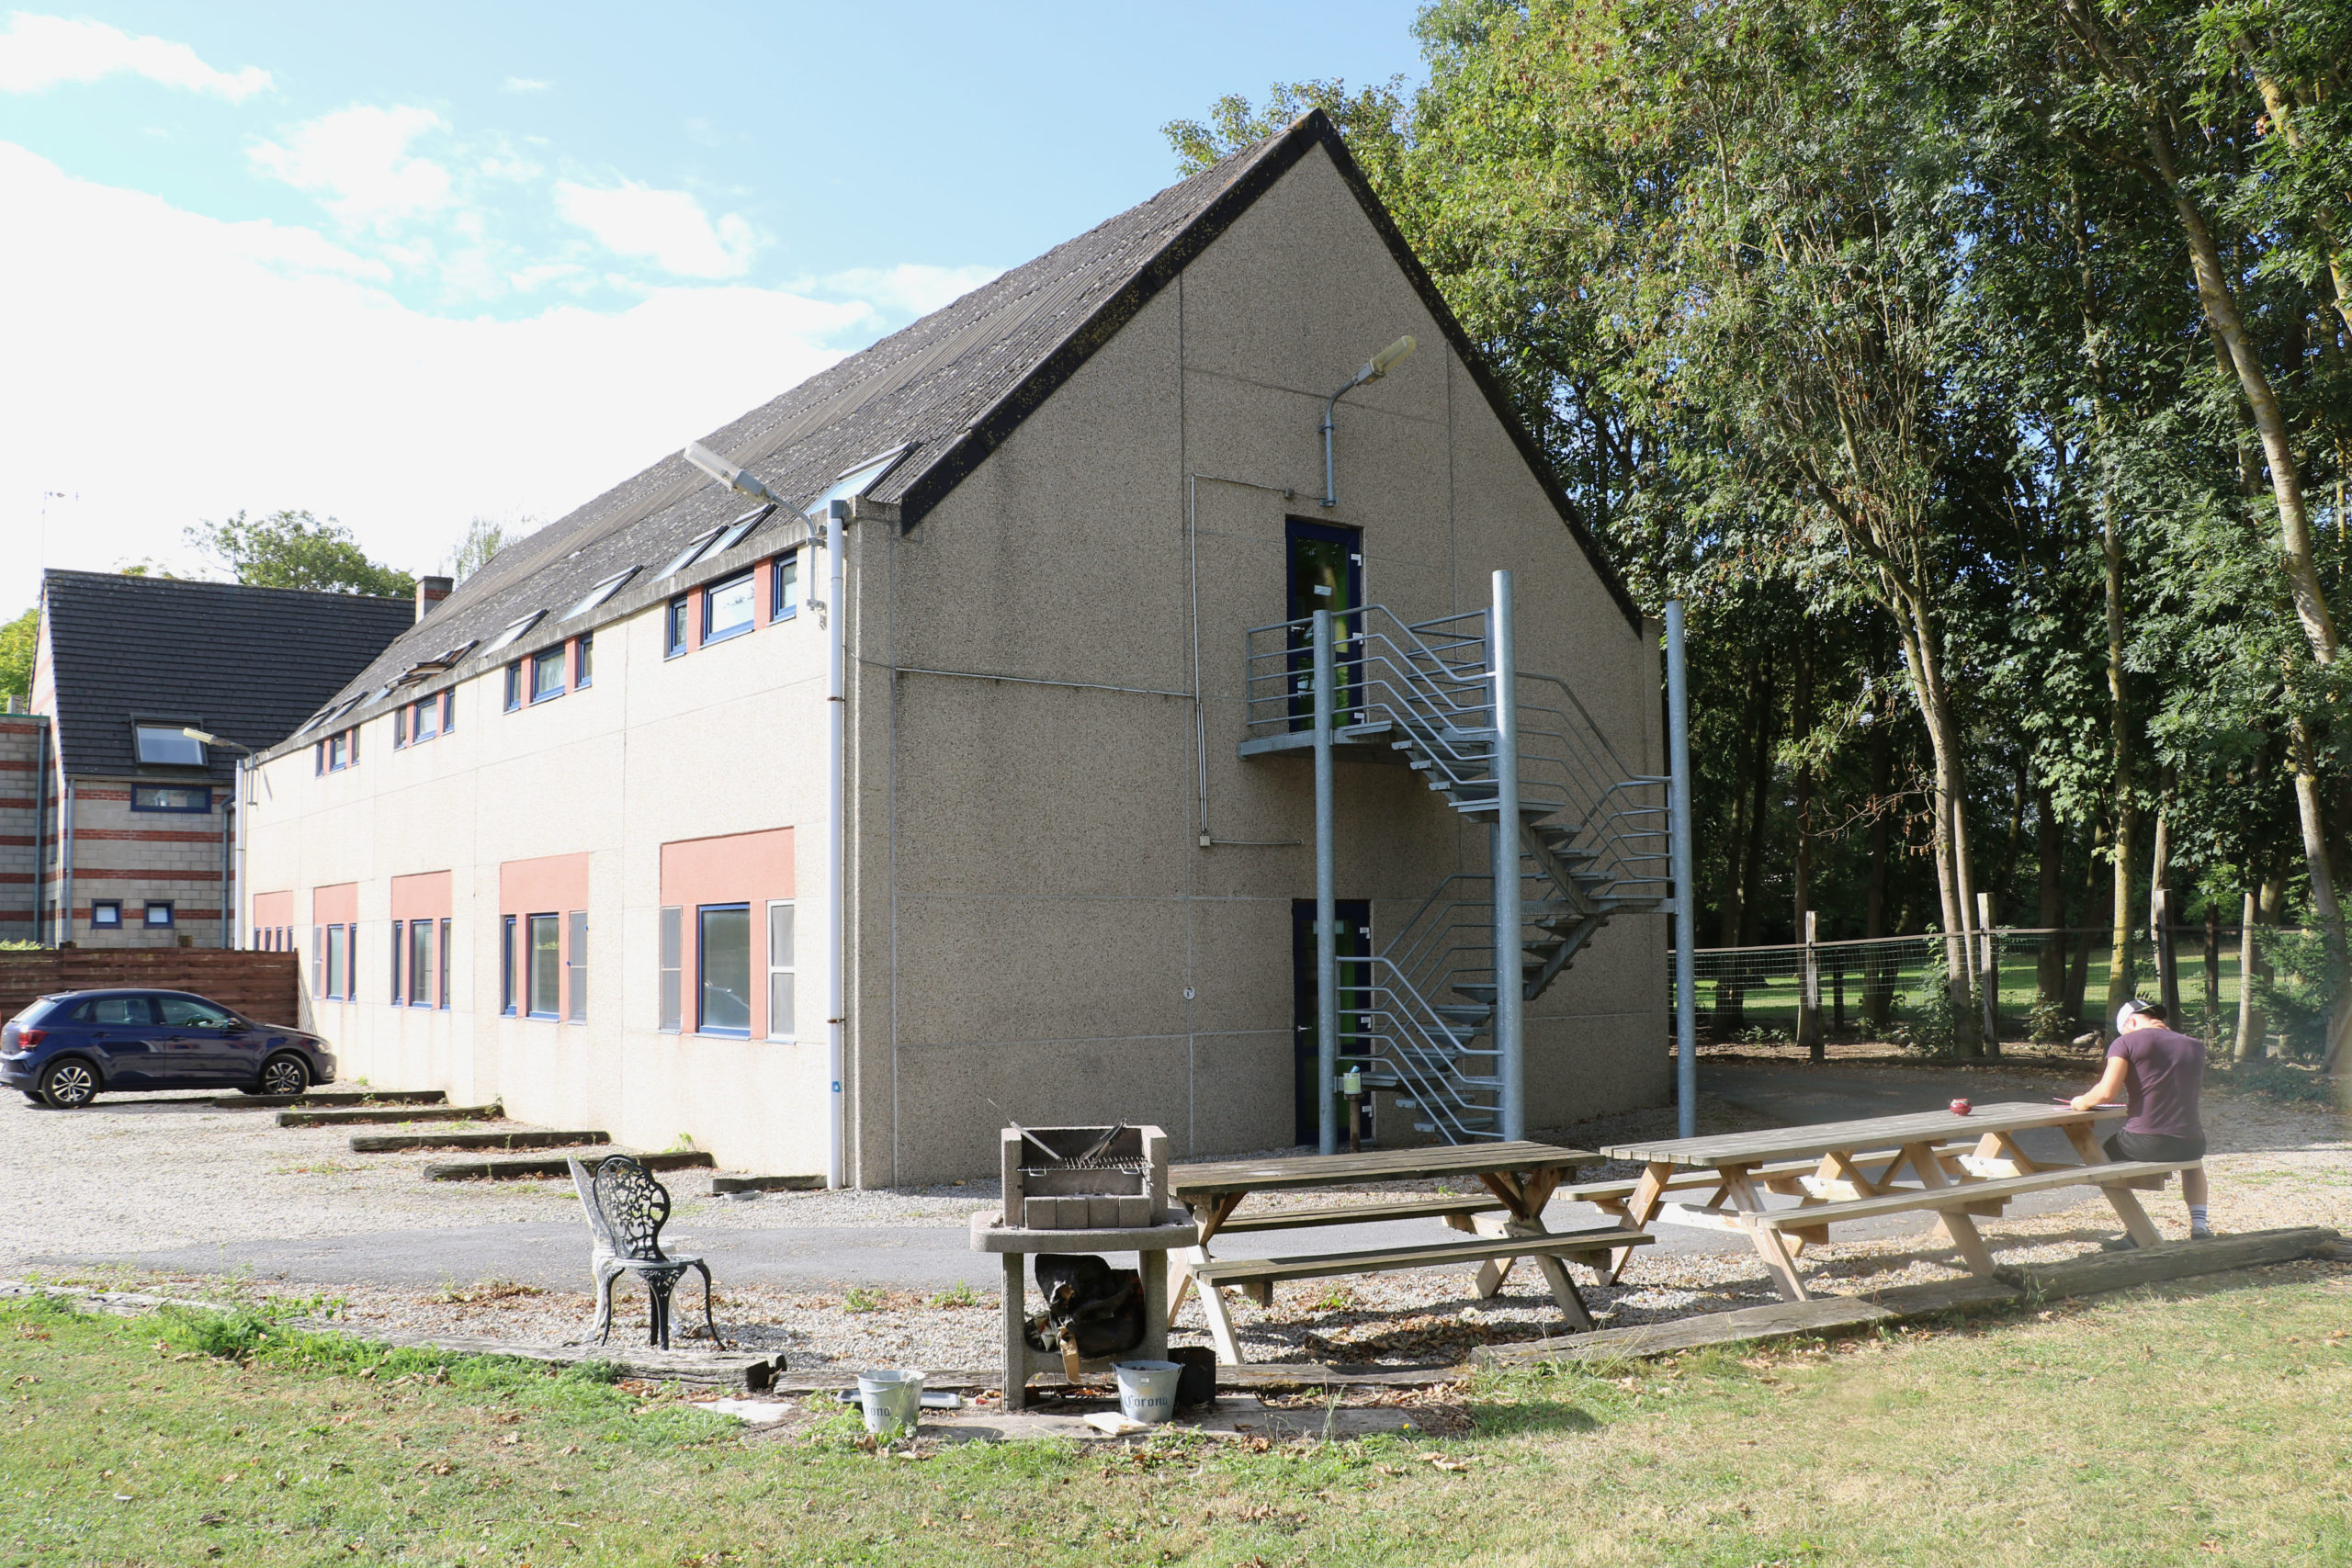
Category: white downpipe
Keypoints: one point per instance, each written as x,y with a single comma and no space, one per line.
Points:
836,523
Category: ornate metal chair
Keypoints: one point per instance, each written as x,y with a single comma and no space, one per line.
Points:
627,1209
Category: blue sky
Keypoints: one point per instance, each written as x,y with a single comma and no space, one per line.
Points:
412,265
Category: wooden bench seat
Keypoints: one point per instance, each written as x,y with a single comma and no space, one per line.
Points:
1432,1255
1447,1209
1605,1192
1962,1195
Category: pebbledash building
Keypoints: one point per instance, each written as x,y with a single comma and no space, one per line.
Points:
940,748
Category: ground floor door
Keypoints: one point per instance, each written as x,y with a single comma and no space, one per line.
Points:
1355,942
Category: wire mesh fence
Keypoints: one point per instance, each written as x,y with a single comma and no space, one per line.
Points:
2052,985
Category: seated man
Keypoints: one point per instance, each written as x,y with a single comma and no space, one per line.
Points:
2162,1074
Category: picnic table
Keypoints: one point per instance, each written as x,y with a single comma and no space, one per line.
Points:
1520,1178
1962,1168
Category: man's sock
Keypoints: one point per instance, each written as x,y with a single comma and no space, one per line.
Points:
2196,1218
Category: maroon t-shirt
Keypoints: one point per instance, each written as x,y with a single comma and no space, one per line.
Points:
2167,1072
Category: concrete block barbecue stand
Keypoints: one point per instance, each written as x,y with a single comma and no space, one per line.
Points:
1134,1165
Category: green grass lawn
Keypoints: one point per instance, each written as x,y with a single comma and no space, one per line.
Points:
2134,1431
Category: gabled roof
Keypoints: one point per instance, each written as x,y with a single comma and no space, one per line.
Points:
949,390
248,664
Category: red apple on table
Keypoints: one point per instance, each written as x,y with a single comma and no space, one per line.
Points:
1961,1108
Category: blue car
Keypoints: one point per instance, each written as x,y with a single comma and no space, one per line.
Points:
66,1048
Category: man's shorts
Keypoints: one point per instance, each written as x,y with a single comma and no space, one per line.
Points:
2153,1145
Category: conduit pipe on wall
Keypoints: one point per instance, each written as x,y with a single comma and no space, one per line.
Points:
834,540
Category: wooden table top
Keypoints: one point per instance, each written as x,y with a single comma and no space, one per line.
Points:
1186,1181
1869,1131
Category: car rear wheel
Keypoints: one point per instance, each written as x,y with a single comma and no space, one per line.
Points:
68,1085
284,1075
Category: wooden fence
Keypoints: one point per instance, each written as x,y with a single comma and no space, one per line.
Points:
262,986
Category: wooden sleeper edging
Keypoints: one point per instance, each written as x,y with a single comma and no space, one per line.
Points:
526,1168
359,1115
400,1142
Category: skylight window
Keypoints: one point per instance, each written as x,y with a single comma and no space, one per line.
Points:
740,528
692,553
858,481
517,629
165,746
598,594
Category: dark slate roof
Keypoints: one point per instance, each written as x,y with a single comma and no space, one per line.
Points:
948,390
248,664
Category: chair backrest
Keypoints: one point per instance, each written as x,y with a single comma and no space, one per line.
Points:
635,1207
585,1182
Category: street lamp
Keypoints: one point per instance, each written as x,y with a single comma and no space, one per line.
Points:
1379,364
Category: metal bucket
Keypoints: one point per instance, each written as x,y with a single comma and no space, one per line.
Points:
1146,1389
892,1400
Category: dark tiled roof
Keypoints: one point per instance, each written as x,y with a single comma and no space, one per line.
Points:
950,388
249,664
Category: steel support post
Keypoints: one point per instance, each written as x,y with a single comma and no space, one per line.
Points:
1510,984
1686,1001
1327,903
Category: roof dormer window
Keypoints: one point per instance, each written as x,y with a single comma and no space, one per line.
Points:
693,552
598,594
517,629
167,745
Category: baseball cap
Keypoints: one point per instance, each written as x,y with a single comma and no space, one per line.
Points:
2133,1008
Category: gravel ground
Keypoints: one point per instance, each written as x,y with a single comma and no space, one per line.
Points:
167,1172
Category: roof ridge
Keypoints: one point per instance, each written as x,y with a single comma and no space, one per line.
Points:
140,577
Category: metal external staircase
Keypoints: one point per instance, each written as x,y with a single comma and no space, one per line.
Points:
1584,837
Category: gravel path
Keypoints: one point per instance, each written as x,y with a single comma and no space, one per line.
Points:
171,1173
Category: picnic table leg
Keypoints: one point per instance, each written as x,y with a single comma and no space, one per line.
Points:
1638,1210
1209,1216
1220,1321
2125,1202
1523,1199
1958,1223
1781,1263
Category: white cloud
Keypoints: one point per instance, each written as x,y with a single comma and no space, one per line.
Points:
668,227
271,371
523,85
914,287
42,51
357,161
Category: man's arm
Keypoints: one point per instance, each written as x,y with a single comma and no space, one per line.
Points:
2110,1084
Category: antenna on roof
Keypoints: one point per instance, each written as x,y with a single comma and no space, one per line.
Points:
727,474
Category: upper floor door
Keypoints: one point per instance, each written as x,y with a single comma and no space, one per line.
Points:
1325,572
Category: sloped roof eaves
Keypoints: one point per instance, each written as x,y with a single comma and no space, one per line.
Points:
248,664
954,386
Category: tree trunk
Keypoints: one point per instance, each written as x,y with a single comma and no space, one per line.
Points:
1944,741
2212,1029
2078,983
2161,916
1800,730
1878,979
2251,1027
2050,853
2119,951
1751,873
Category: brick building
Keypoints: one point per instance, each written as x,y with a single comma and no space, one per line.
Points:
115,828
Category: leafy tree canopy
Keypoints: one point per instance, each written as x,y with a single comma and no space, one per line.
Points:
18,640
294,550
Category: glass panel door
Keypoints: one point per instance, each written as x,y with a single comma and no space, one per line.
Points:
1325,572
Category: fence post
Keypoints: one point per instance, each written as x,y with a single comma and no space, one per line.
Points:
1988,983
1809,991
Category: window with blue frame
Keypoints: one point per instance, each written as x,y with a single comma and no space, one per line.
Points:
445,966
723,964
337,963
784,587
546,966
547,674
170,798
727,608
400,727
673,635
506,967
339,750
420,962
106,914
583,660
513,687
448,710
428,711
400,944
159,913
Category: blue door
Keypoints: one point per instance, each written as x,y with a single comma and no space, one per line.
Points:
1325,565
